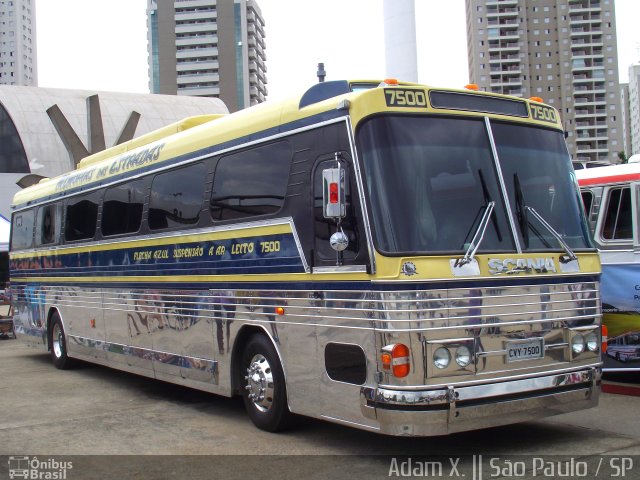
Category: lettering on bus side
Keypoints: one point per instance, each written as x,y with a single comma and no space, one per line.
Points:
544,114
399,97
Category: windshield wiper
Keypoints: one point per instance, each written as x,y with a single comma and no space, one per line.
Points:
487,199
570,255
521,213
477,237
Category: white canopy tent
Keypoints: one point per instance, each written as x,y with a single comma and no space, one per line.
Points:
4,234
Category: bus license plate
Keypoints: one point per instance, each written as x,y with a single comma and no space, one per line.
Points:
525,350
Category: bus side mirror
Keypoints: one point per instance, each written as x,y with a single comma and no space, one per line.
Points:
333,193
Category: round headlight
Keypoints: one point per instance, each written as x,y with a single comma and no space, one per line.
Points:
577,343
463,356
592,341
441,358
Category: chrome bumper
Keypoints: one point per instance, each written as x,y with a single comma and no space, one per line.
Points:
456,409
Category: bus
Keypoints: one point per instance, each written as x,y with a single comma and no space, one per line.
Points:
611,200
385,255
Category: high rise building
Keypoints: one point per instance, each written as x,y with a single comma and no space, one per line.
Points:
561,50
634,108
18,59
210,48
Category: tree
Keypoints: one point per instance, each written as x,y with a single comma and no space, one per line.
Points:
622,156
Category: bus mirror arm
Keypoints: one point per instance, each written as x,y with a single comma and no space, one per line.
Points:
570,255
477,237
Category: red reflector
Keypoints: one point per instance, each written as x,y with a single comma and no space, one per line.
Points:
333,192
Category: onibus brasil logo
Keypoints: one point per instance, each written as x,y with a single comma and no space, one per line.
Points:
34,469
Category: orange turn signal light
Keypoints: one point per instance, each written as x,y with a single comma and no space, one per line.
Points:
395,359
279,311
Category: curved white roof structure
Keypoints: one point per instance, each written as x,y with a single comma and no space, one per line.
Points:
46,131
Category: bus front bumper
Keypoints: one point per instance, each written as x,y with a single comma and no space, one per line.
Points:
460,408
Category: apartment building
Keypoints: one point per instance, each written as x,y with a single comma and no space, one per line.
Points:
563,51
208,48
18,58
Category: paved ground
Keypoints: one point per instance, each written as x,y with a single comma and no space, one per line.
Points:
93,410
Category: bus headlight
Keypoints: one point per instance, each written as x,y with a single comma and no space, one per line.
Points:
577,343
463,356
592,341
441,357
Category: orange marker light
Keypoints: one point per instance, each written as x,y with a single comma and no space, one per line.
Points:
472,86
391,81
395,359
536,99
279,311
605,338
92,322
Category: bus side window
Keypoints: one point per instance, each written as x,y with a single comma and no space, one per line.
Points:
22,230
48,225
122,208
618,222
251,183
587,201
325,227
81,218
176,197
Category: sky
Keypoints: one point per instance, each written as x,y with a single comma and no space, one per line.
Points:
102,45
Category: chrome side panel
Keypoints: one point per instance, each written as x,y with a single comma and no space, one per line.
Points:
186,336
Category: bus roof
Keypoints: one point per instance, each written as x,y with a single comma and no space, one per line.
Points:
208,135
628,172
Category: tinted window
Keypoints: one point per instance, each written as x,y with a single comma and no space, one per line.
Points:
618,221
48,225
538,174
81,219
22,230
176,197
587,201
251,183
430,181
122,208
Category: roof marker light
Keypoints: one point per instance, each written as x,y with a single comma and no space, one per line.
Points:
536,99
388,81
472,86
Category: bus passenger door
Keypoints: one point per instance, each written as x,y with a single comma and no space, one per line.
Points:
341,339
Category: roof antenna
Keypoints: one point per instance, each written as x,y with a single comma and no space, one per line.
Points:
321,73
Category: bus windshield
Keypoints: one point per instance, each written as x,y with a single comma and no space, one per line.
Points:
430,181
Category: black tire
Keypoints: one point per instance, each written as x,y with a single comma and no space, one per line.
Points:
58,344
264,390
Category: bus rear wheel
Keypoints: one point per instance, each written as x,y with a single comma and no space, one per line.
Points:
264,393
58,344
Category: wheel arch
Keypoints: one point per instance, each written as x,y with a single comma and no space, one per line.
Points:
53,311
241,340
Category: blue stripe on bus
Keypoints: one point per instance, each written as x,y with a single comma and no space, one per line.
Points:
251,255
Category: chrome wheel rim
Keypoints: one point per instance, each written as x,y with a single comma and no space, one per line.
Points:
260,383
57,340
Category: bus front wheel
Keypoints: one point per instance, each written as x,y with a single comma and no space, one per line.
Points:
58,344
264,393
